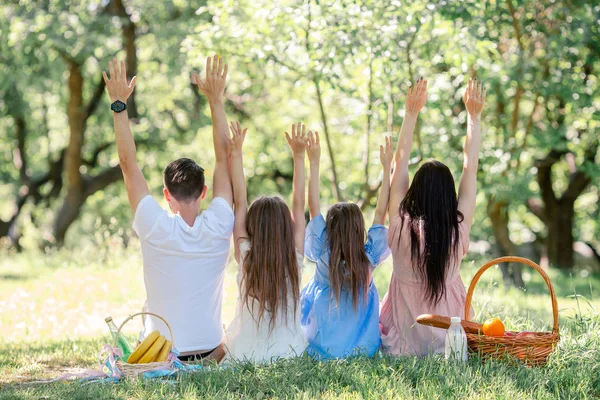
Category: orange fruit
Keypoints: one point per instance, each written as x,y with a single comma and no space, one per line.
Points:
493,327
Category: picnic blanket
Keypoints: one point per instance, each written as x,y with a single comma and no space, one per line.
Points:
108,370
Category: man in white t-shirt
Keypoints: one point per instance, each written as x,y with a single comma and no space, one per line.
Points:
184,254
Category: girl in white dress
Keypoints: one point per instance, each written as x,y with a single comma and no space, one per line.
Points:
269,249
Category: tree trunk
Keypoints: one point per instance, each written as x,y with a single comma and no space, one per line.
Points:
337,193
9,228
559,223
74,198
557,213
80,187
369,192
67,214
497,211
129,37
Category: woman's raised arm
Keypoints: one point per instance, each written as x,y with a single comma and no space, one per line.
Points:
238,180
297,142
385,155
415,100
314,180
467,189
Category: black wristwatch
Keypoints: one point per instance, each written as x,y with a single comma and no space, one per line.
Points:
118,106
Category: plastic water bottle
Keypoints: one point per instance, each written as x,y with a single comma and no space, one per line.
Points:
456,341
122,343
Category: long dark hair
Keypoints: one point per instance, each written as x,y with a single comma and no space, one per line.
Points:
271,262
432,201
348,262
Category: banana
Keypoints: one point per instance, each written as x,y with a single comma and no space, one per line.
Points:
143,347
151,354
164,352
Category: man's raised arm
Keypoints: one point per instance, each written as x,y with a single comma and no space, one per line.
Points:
213,88
119,91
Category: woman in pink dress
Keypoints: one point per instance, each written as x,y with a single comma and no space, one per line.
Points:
429,234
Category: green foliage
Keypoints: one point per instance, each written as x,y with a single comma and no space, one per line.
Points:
539,62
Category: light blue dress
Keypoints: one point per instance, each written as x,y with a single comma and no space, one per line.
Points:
336,330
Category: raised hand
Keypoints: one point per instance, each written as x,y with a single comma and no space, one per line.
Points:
238,183
297,140
416,97
386,154
117,86
235,142
213,86
415,100
474,99
313,147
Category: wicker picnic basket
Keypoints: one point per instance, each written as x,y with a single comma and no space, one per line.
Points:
530,350
133,370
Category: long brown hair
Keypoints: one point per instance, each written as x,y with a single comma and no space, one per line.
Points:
348,262
271,264
431,199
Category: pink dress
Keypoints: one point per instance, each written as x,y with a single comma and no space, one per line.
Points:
405,299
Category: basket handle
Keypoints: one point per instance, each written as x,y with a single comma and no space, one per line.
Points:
145,313
516,260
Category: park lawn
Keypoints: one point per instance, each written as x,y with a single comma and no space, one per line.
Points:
52,310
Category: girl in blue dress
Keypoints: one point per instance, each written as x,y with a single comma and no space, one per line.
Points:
340,305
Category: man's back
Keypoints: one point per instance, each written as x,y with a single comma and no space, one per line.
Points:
184,268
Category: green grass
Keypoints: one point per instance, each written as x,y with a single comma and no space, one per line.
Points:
52,310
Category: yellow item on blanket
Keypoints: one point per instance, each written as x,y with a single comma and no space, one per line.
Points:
151,354
164,352
143,347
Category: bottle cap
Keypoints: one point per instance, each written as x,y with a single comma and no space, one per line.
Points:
455,320
108,319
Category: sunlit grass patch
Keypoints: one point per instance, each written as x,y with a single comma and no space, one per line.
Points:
52,310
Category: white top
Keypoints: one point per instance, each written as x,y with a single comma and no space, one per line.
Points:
247,341
184,267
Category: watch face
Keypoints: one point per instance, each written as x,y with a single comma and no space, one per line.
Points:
117,106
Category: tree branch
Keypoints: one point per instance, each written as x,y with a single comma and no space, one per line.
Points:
337,193
367,133
536,207
178,127
238,105
537,103
284,64
411,77
544,175
20,155
116,7
93,162
95,100
102,180
515,23
31,189
579,180
370,193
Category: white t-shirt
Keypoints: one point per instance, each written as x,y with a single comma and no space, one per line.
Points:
248,341
184,267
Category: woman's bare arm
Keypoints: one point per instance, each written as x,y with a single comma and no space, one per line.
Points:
415,100
297,142
385,155
467,189
314,180
238,180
